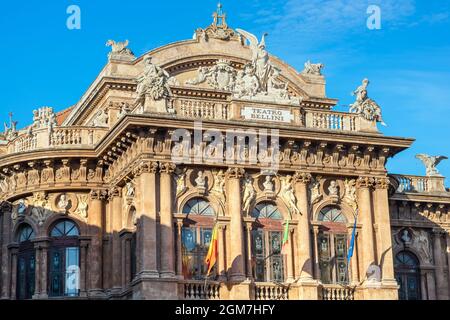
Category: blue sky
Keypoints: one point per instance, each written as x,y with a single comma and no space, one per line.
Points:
408,60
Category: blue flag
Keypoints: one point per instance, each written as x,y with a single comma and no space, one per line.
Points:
351,247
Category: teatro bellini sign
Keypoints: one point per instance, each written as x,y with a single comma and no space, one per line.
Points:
267,114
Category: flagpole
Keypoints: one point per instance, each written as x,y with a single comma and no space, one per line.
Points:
351,248
211,242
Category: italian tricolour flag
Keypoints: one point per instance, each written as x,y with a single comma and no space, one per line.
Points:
285,242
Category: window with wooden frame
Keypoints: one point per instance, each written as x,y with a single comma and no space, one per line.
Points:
267,233
332,246
196,237
26,263
64,260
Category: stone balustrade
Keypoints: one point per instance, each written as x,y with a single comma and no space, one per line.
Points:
271,291
331,120
337,292
199,290
60,137
419,184
201,109
309,118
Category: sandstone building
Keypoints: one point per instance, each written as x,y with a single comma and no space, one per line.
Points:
116,197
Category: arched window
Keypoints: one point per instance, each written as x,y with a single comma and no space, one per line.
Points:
266,243
198,206
408,275
332,246
266,210
196,237
64,259
26,263
331,214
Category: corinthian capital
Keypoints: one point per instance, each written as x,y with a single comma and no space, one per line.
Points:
98,194
145,166
114,192
167,167
382,183
302,177
365,182
235,173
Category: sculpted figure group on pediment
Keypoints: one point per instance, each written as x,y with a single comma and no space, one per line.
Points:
258,79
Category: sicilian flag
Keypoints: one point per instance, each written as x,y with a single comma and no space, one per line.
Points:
211,258
285,242
351,246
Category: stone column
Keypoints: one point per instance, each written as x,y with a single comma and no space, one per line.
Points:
248,259
355,260
5,211
234,195
146,257
364,185
115,195
84,245
166,223
290,257
95,221
304,254
317,274
222,258
382,219
441,282
13,289
431,285
179,250
44,270
37,271
447,238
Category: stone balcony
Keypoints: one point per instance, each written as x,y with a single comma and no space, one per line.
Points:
276,114
60,137
419,184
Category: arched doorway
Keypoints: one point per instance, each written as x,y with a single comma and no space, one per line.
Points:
26,263
408,276
64,260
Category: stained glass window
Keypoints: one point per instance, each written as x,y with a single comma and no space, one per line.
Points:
266,244
198,206
64,260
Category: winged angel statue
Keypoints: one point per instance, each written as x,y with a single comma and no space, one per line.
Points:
431,163
260,58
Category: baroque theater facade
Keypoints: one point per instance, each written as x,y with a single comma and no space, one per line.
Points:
116,197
